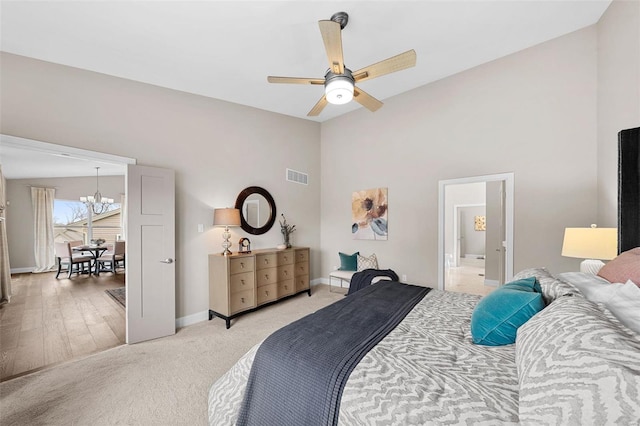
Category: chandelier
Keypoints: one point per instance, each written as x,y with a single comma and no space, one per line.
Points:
97,202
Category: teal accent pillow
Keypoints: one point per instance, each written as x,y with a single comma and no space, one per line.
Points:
525,284
496,318
348,262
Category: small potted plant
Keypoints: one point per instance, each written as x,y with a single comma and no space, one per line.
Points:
286,230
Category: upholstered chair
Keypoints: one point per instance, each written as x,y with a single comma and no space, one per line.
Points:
64,256
109,261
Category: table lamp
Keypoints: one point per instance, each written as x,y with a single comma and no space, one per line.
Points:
591,244
226,217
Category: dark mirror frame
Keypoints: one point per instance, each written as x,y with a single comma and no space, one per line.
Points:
272,205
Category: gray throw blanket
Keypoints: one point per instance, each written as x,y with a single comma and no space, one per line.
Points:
363,279
299,372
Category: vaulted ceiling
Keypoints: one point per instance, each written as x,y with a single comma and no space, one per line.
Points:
226,49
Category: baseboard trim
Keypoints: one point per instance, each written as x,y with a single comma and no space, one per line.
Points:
491,283
22,270
318,281
192,319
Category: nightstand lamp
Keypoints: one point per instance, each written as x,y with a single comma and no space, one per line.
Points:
226,217
593,244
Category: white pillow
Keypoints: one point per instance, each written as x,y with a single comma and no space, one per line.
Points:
623,300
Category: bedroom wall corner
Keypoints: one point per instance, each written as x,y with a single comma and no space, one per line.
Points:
532,113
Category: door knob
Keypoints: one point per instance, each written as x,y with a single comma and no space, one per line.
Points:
167,260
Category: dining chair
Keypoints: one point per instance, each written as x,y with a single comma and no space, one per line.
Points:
64,256
113,259
77,243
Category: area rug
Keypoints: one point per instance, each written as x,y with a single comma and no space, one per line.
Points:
119,295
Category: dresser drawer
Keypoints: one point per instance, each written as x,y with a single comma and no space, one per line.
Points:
267,293
241,282
302,255
286,258
302,283
286,288
241,301
241,265
285,272
267,276
264,261
302,268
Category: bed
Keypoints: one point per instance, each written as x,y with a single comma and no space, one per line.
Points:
576,361
573,363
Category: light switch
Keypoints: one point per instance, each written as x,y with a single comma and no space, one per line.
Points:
200,227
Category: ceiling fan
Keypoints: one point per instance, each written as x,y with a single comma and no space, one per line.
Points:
339,81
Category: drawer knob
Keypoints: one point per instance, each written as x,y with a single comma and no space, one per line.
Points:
241,265
266,293
285,258
266,261
242,299
285,272
242,281
286,287
266,276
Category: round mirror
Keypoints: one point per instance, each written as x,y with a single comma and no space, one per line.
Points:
257,210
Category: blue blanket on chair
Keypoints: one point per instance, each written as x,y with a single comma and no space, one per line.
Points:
299,372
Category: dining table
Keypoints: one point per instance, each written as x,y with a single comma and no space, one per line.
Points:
96,251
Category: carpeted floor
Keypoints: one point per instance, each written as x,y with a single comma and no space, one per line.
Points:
119,295
161,382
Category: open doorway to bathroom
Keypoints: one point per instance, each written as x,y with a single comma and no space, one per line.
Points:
475,233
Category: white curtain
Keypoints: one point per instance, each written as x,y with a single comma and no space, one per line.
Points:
123,216
42,201
5,269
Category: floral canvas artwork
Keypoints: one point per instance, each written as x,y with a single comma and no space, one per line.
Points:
369,214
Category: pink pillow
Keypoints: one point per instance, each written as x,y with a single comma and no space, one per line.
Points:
623,268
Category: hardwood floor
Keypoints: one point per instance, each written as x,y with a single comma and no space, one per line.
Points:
49,321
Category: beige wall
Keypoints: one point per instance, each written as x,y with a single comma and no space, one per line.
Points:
20,214
618,96
532,113
216,148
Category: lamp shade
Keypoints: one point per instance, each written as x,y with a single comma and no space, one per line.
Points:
226,217
590,243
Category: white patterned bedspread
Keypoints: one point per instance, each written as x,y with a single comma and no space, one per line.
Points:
426,371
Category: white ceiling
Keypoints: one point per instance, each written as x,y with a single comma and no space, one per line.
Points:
225,50
26,159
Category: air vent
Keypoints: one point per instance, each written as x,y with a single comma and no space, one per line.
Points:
297,177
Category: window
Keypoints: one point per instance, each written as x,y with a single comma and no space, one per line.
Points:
71,222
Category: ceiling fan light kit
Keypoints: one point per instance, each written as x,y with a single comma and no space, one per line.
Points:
339,82
338,88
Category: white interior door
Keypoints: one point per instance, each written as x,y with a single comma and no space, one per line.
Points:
150,253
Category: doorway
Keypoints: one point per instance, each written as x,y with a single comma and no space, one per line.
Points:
475,250
53,320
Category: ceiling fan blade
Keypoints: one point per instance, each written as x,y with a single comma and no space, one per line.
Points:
366,100
317,109
389,65
332,37
295,80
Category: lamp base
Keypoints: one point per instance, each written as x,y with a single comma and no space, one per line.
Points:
591,266
226,243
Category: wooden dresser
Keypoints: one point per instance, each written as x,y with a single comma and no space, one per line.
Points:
241,283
